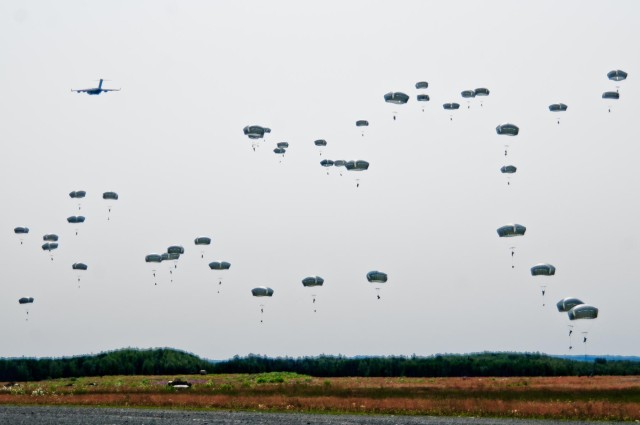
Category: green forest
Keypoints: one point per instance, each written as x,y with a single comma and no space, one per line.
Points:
171,362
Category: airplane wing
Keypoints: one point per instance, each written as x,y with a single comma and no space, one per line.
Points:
80,91
110,89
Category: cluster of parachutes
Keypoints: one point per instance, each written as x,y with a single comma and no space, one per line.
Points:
574,307
51,239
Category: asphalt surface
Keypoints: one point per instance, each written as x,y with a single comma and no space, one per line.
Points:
51,415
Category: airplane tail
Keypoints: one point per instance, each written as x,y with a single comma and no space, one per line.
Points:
100,85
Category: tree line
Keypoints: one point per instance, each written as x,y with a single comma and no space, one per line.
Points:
166,361
129,361
452,365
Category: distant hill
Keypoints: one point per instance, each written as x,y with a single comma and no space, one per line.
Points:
165,361
128,361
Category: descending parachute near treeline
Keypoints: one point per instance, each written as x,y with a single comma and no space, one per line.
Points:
422,98
202,241
262,292
153,259
359,165
326,163
76,219
21,231
509,231
109,196
321,144
468,94
507,130
584,314
558,107
481,92
50,243
174,252
378,278
564,305
281,149
611,95
312,282
396,98
79,267
362,124
453,106
26,301
78,194
617,76
255,133
543,269
219,265
508,170
171,256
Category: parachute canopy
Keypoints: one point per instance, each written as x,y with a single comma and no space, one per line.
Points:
482,91
21,230
262,291
339,163
76,219
279,151
362,123
312,281
49,246
170,256
175,249
320,142
566,304
79,266
451,106
558,107
50,237
78,194
611,95
326,163
508,169
202,240
543,269
422,85
423,98
510,230
153,258
110,195
583,311
617,75
507,129
358,165
376,277
397,98
26,300
283,145
255,131
468,94
219,265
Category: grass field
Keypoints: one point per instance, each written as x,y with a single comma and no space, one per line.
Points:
598,397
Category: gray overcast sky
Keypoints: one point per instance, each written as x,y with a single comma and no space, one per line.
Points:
193,74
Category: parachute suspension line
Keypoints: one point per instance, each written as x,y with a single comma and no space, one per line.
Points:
513,252
543,288
584,341
378,293
570,339
261,312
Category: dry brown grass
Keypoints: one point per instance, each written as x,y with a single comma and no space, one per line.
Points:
602,397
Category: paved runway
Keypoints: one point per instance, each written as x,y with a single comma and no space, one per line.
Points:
51,415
